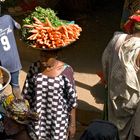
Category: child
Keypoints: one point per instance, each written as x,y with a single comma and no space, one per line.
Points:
9,57
50,90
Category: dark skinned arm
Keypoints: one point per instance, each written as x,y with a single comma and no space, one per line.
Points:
72,125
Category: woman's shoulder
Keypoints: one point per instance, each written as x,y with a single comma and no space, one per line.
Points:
68,72
6,16
65,65
118,36
68,67
118,33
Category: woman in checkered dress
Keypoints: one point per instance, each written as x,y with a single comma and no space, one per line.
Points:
50,90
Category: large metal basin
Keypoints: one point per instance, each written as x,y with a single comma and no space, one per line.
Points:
6,78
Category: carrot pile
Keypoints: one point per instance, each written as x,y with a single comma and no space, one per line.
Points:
44,35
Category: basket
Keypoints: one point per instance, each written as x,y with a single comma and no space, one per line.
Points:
57,48
53,49
6,78
19,110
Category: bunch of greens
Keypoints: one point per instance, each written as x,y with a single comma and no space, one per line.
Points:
41,14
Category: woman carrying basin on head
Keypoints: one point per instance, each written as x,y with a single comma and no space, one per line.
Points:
50,89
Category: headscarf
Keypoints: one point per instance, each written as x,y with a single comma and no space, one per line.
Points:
100,130
132,23
129,8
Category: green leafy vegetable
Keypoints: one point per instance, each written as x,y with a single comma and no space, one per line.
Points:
41,14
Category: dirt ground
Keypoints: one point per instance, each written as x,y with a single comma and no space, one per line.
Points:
85,58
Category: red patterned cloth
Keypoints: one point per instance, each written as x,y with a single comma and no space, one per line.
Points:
132,21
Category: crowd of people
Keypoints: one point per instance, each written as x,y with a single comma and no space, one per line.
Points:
50,87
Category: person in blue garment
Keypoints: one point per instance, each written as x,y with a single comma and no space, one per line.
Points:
9,56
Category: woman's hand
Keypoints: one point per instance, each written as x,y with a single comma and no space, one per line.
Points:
72,131
138,60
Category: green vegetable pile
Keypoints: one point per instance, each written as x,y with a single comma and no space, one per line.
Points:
41,14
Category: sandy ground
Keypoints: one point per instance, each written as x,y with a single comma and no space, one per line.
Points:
85,58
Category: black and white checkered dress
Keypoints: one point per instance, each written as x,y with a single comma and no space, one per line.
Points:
52,98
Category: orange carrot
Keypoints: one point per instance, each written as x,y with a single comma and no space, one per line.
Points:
31,37
37,21
48,23
28,26
33,31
